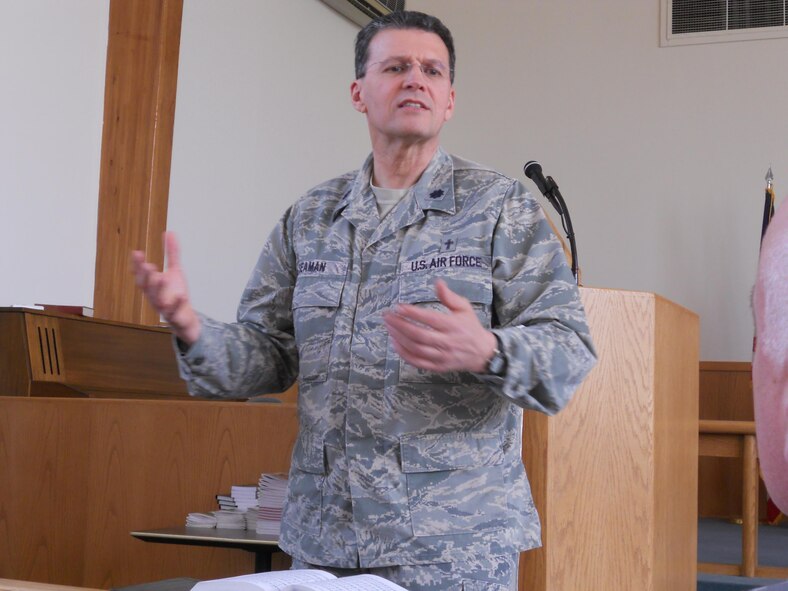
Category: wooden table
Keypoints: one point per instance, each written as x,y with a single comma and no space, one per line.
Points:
12,585
262,546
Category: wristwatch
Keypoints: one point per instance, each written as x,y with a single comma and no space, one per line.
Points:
496,366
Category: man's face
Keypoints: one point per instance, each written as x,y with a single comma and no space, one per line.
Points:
406,92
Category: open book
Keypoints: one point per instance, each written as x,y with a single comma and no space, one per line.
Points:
298,580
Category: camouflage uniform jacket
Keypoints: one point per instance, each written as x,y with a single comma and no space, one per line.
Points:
394,465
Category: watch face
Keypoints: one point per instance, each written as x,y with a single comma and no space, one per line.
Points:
496,366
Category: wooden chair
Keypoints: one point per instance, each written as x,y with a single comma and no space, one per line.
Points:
736,439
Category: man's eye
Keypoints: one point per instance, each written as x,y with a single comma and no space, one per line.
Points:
433,72
395,69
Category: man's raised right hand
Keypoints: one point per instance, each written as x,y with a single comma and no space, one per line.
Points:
166,290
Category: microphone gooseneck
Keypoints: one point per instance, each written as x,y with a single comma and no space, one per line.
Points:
549,188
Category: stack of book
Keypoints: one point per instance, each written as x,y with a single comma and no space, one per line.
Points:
230,519
234,507
226,503
271,498
251,518
245,496
256,508
201,520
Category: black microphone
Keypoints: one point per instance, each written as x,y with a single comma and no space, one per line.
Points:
533,170
549,188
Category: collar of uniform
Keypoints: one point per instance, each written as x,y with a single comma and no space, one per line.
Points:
356,192
435,188
360,185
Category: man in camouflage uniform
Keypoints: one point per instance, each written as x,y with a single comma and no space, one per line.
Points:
421,302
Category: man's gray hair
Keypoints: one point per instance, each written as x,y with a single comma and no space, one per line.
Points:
401,19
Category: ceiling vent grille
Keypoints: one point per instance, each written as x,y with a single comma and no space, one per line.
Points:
707,21
363,11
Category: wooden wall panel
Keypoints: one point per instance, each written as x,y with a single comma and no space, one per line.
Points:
726,391
43,469
78,475
14,365
136,149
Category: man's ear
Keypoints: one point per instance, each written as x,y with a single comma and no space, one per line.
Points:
356,98
450,109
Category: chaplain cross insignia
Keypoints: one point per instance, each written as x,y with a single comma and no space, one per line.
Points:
448,245
436,193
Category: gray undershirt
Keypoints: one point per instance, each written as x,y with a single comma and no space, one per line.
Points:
387,198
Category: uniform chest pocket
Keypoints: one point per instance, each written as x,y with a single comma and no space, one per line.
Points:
315,304
455,482
418,289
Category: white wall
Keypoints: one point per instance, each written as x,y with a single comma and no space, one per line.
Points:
263,114
660,152
52,63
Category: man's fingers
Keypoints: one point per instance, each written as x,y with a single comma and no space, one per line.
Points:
419,346
409,330
172,309
166,290
423,357
165,294
172,250
420,361
453,301
143,273
137,261
433,319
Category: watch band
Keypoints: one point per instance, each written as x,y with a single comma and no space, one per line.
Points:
497,364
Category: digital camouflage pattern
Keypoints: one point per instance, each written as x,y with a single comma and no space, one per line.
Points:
394,465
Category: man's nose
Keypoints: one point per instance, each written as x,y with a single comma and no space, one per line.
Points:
414,77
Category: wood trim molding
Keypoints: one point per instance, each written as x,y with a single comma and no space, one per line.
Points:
734,366
136,149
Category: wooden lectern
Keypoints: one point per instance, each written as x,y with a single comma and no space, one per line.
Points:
615,474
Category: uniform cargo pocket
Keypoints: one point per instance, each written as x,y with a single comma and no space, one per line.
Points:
418,289
315,304
304,506
455,483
